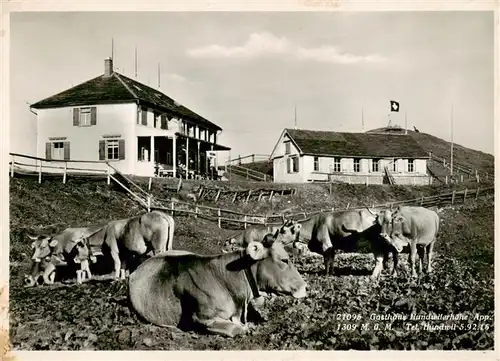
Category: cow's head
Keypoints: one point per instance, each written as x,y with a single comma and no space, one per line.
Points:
274,270
288,233
42,247
399,229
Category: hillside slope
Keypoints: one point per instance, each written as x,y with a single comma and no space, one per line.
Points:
468,157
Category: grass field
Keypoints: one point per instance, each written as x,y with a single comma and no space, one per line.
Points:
96,316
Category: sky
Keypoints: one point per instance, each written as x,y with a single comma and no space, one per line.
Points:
248,71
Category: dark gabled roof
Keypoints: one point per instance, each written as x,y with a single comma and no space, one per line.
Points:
118,88
314,142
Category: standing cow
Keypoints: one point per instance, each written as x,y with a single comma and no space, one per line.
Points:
330,231
416,227
50,252
190,291
129,238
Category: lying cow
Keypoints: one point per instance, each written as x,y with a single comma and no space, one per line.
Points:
416,227
289,232
192,291
327,232
126,239
51,252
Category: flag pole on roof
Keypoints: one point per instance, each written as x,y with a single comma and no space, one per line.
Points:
112,48
406,124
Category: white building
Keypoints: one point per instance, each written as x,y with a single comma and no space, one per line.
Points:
133,126
372,158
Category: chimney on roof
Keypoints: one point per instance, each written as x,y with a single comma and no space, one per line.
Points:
108,67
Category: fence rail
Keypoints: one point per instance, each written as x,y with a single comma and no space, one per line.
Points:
227,217
249,173
251,158
460,168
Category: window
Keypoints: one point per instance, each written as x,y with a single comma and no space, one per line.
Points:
58,150
287,147
336,164
375,165
356,165
316,164
293,164
112,149
84,117
410,166
394,165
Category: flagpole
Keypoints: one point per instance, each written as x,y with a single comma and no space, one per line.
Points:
451,148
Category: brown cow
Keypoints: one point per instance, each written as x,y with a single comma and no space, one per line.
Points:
128,238
191,291
289,232
51,252
330,231
416,227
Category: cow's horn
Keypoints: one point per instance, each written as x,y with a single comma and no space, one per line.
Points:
372,212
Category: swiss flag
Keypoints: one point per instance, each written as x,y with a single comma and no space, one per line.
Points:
394,106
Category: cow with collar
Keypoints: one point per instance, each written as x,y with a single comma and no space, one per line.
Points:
212,293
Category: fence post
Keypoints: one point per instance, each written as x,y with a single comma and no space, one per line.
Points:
196,212
453,197
149,184
245,221
446,179
40,173
108,172
218,218
247,173
253,158
12,166
149,203
422,200
477,193
461,178
172,207
65,171
465,194
348,204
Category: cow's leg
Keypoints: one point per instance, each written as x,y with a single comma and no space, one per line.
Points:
421,256
221,326
386,261
47,274
430,251
85,268
328,259
123,269
395,259
379,259
413,256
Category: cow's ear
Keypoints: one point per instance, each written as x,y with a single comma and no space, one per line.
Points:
256,250
33,244
53,243
268,240
297,227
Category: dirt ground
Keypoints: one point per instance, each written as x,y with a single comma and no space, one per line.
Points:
345,311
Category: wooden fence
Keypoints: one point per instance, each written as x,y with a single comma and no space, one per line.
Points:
62,167
461,170
216,194
248,173
226,218
252,158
